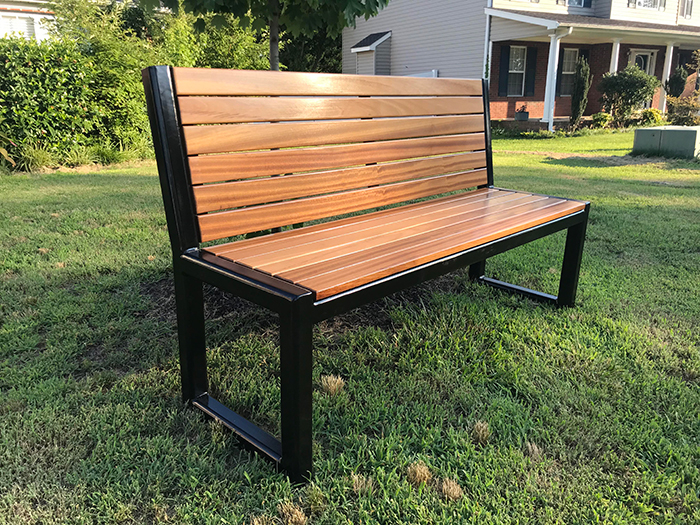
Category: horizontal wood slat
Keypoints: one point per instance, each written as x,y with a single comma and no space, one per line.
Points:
294,237
226,82
217,168
240,137
227,223
222,110
212,197
391,261
327,251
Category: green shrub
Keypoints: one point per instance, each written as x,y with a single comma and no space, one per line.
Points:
46,94
539,134
684,111
651,117
675,85
231,46
579,94
32,157
78,155
108,154
601,120
626,91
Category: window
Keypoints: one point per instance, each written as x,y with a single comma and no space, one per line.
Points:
568,69
17,24
686,10
516,71
574,3
648,4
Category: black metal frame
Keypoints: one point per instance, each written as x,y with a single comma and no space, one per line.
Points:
295,305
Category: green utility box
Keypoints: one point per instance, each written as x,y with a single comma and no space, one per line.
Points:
668,141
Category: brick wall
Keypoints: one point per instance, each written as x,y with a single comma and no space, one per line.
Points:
504,107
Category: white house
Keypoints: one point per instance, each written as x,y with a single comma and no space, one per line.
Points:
24,17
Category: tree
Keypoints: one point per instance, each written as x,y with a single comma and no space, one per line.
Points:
675,85
320,53
579,92
298,17
625,91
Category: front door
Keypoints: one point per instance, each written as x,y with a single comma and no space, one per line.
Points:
645,60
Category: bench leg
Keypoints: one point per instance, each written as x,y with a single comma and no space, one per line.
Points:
477,270
296,363
190,328
571,266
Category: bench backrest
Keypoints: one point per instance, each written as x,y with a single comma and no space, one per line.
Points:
265,149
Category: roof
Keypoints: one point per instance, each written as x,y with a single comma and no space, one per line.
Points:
605,23
370,42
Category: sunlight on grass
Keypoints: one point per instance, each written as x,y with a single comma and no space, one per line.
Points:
584,415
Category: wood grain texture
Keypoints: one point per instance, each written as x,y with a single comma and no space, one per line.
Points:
240,137
390,261
256,245
216,168
228,82
228,223
310,256
222,110
213,197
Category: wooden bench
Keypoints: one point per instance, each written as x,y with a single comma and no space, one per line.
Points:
245,151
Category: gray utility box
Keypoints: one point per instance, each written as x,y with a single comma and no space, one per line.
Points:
667,141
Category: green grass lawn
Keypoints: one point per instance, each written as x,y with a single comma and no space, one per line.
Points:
594,411
619,143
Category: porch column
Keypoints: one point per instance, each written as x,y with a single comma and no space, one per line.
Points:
665,75
551,86
615,55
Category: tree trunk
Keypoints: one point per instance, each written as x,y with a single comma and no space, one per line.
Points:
274,35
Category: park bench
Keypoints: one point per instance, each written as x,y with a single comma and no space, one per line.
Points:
240,152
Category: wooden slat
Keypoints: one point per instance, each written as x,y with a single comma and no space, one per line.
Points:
408,243
213,197
329,250
392,261
216,168
240,137
293,237
225,82
222,110
228,223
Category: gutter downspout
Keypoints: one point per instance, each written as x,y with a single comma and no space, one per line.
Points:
487,45
552,66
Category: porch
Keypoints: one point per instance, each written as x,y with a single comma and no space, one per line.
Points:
532,58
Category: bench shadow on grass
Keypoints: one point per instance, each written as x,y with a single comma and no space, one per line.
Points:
624,160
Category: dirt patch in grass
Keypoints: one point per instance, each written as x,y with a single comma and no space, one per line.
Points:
609,160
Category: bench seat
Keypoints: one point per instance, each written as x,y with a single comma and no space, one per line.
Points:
333,257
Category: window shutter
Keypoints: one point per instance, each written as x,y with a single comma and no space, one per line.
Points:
503,71
530,69
662,5
587,3
688,8
561,66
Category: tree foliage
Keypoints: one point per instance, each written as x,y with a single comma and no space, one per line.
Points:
319,53
625,91
298,17
579,92
675,85
684,111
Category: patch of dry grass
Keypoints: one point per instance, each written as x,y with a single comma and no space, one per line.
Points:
451,490
291,514
263,519
332,385
362,485
419,473
481,433
533,451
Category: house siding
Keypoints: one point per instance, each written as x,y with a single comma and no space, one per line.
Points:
365,63
447,35
545,6
621,11
502,29
382,58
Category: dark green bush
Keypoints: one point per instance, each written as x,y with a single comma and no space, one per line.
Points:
46,95
675,85
579,94
626,91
